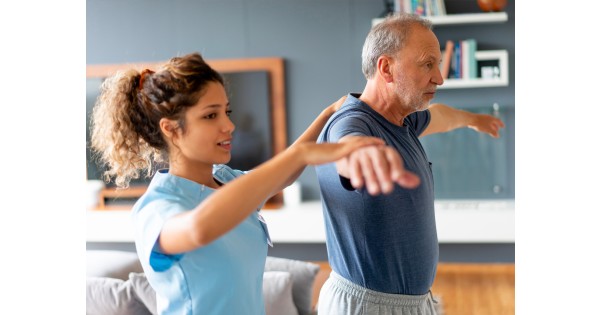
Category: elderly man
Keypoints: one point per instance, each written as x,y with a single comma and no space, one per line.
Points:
379,201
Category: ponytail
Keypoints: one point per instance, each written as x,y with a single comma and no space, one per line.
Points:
116,119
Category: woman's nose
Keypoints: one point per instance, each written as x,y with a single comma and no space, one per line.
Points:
228,126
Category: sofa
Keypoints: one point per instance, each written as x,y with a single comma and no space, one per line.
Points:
116,285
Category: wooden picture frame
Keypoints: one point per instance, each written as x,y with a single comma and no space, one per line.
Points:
273,66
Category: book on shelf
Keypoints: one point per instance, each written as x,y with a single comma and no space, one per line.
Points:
421,7
455,66
428,6
470,60
418,7
446,57
441,7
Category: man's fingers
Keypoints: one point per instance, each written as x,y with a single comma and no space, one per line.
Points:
408,180
501,123
399,174
396,166
356,177
382,170
371,181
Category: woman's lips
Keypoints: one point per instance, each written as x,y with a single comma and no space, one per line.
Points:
225,144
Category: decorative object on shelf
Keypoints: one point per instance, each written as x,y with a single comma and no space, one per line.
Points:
491,5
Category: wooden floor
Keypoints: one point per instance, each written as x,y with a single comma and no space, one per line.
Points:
465,289
476,289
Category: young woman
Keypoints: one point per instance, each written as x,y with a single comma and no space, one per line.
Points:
199,236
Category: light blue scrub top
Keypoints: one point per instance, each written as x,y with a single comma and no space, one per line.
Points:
223,277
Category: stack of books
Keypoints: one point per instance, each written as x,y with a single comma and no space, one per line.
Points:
458,59
421,7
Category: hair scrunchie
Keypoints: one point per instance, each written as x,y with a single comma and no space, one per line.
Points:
143,75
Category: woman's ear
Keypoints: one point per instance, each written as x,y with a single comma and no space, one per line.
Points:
384,67
168,127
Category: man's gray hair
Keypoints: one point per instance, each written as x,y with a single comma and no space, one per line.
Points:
387,38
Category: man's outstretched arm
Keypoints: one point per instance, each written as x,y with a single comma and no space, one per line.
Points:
445,118
377,168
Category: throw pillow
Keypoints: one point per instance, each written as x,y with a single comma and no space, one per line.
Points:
277,292
109,296
303,277
112,263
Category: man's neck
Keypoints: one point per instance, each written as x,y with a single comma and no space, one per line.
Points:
384,102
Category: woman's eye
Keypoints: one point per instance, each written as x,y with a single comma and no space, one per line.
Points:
211,116
228,112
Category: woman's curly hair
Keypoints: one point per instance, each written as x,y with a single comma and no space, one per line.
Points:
126,135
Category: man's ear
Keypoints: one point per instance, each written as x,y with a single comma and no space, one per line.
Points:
384,67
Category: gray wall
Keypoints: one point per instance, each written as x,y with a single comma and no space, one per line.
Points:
321,41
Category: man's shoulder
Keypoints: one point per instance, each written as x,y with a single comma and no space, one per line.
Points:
359,112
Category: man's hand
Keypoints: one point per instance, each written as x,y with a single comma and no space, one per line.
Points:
486,124
445,118
376,167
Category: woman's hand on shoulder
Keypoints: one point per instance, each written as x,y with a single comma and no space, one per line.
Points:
335,106
338,104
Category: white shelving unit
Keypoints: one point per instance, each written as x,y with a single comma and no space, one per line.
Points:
500,55
466,18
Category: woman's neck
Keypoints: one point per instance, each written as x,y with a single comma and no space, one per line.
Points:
201,174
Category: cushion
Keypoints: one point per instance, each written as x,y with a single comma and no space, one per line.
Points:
109,296
134,289
277,292
112,263
303,277
135,296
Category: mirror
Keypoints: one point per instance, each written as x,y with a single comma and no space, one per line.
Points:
256,88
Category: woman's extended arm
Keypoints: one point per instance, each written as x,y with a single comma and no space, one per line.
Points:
311,134
232,203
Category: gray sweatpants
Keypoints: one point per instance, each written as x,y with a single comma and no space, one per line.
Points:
341,297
